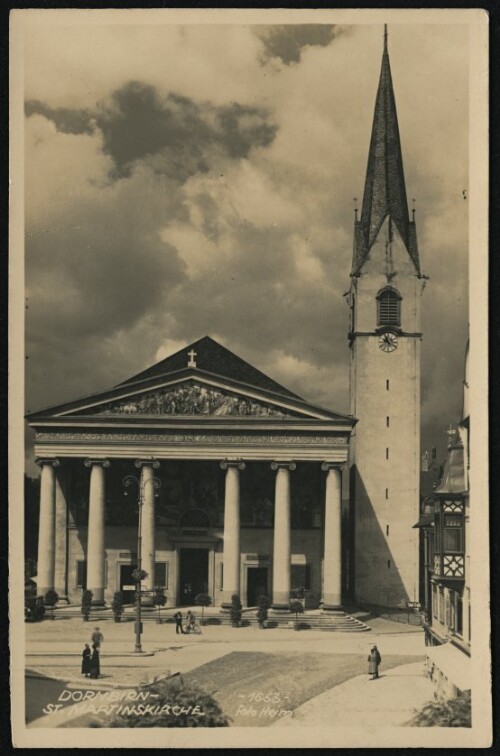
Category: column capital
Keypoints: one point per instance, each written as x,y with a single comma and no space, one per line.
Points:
147,462
225,464
286,465
327,466
54,461
89,461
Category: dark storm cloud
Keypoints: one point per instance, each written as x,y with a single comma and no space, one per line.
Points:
287,42
181,135
66,120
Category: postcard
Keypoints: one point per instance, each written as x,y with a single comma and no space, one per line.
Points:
248,360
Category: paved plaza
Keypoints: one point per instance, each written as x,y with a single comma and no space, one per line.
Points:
313,676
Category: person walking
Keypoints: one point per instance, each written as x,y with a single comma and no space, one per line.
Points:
374,660
178,623
95,666
86,660
190,621
97,638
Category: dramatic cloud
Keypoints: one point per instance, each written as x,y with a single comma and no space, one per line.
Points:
287,42
177,187
136,123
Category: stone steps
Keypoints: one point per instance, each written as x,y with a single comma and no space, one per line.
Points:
337,621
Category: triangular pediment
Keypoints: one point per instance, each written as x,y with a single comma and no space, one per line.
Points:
204,380
191,398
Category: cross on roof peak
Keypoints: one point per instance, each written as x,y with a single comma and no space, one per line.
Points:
192,362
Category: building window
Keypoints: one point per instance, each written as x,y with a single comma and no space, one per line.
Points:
459,616
441,604
437,539
386,493
387,422
389,308
447,609
301,577
387,530
161,575
387,385
81,575
453,534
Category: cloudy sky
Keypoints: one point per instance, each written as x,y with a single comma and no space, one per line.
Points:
184,180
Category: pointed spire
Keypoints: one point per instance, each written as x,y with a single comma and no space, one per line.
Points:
385,190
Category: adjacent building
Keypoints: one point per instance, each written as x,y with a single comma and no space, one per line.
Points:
444,521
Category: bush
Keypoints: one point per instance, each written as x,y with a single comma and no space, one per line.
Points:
159,600
203,600
176,694
453,713
297,607
87,597
235,611
263,606
117,605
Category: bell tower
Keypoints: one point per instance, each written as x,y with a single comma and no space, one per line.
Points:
384,338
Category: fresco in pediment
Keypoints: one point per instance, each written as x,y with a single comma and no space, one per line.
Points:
192,399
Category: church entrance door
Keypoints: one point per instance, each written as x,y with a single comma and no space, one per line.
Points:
193,575
256,584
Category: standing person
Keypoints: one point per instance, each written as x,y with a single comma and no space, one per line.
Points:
374,660
97,638
190,621
95,666
86,660
178,623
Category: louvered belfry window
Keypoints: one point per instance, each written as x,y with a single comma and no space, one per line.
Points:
388,308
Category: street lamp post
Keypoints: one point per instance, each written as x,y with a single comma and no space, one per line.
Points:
139,574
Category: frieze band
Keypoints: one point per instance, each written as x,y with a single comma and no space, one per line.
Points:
195,438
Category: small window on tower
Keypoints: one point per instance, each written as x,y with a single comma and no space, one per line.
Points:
388,308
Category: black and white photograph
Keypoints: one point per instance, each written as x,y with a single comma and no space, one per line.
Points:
248,481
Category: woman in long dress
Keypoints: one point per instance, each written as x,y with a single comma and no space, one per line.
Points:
86,660
95,667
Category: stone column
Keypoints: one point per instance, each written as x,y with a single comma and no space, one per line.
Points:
148,486
282,536
96,529
61,536
46,527
332,559
232,554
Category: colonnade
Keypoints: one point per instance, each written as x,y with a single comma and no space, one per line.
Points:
232,529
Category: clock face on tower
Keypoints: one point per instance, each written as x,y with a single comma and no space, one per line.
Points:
388,342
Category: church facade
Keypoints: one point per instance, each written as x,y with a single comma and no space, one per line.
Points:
225,482
237,482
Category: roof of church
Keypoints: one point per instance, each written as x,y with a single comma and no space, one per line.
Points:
212,357
203,360
385,190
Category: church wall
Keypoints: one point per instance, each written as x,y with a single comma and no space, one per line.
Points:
385,447
387,472
256,551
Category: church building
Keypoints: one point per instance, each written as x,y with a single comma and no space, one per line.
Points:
228,482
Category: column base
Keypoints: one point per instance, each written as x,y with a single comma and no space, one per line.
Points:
332,609
98,597
225,607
